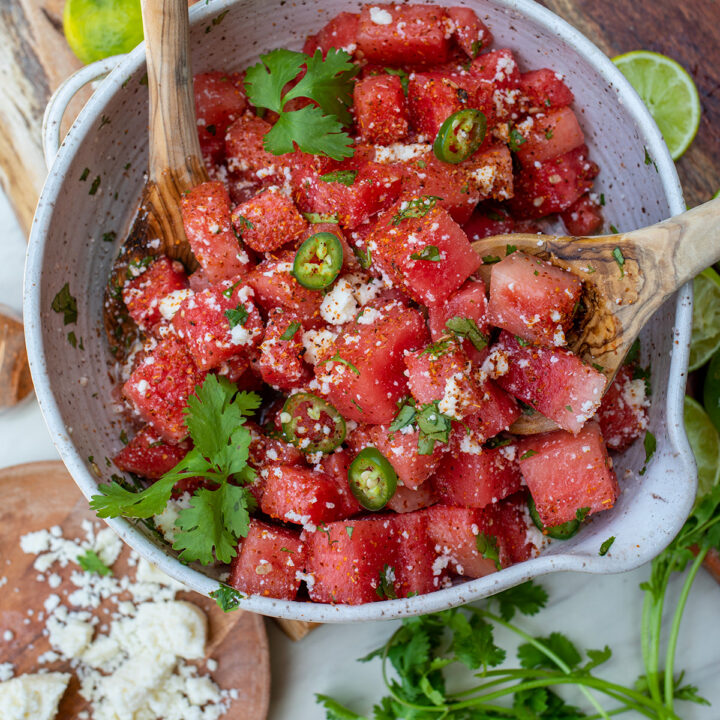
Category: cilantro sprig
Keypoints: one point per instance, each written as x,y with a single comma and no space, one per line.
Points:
218,515
316,128
90,562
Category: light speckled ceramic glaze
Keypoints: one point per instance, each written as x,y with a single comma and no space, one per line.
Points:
110,139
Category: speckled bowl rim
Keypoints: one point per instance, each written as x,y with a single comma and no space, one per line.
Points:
440,599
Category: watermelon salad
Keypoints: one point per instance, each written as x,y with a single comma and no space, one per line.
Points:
345,291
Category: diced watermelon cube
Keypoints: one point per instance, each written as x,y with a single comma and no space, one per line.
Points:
209,230
336,466
149,456
454,532
413,565
246,154
469,302
219,100
549,135
280,363
583,217
368,388
509,521
274,285
443,258
300,495
471,34
545,89
407,500
267,450
533,298
489,220
143,295
432,98
555,382
476,479
381,111
269,562
160,385
499,71
219,323
496,413
404,34
566,473
268,221
623,413
401,450
489,172
554,186
340,33
443,373
346,559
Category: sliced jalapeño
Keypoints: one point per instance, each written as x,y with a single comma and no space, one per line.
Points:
318,261
372,479
460,136
311,424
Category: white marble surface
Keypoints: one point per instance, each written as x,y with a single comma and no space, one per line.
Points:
593,611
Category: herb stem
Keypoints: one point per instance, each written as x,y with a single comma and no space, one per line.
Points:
675,630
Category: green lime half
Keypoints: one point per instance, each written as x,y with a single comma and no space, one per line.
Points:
705,443
96,29
669,93
705,339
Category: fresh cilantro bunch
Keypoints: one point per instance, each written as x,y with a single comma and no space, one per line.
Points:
217,516
316,128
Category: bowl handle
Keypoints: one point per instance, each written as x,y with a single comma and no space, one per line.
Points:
56,107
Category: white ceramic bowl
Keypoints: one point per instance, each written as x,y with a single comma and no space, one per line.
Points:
110,139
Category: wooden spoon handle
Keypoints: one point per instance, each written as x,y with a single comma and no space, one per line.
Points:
174,144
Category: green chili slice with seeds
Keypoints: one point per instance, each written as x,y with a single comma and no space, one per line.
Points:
372,479
311,424
460,136
318,261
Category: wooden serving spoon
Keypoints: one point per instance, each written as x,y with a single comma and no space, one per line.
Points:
175,164
626,278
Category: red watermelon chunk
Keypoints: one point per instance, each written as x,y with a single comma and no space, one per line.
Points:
149,456
623,414
160,385
553,186
533,299
545,89
555,382
268,221
209,230
246,154
267,450
497,411
475,479
469,302
499,71
401,450
510,522
274,285
219,100
336,466
489,220
432,98
549,135
340,33
219,323
368,388
143,295
381,110
454,532
404,34
566,473
471,34
281,364
407,500
583,217
412,568
396,239
346,559
442,373
269,562
300,495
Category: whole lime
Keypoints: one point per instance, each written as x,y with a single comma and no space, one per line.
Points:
96,29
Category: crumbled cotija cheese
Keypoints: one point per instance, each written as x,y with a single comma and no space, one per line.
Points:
32,697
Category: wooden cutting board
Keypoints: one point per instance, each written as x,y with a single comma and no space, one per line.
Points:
37,496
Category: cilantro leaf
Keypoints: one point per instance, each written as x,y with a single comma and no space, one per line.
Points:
605,547
265,81
527,599
334,710
115,500
429,252
404,78
344,177
90,562
434,427
386,584
596,657
473,642
227,598
290,331
467,328
64,302
406,416
531,656
487,546
416,208
237,316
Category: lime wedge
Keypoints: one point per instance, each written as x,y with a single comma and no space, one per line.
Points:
705,340
669,93
705,443
96,29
